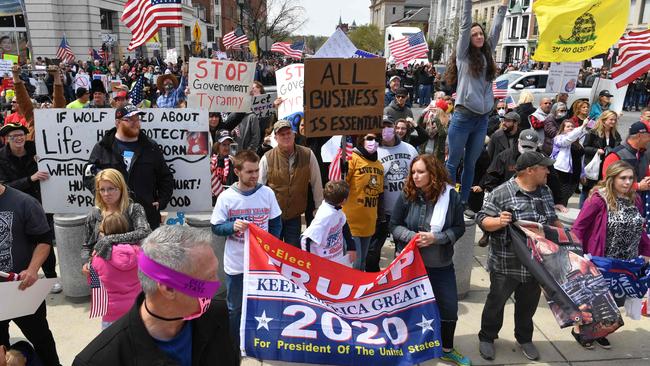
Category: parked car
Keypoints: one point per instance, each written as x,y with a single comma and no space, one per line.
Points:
535,82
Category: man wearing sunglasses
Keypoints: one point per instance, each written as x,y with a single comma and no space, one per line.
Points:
398,108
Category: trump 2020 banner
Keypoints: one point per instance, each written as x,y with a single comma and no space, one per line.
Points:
298,307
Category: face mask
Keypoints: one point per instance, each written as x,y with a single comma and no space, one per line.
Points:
388,133
501,112
202,290
169,87
560,115
370,146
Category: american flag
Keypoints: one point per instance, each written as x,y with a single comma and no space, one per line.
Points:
145,17
335,166
633,57
292,50
408,48
137,94
500,88
510,103
103,53
93,54
235,38
99,301
217,180
64,52
363,54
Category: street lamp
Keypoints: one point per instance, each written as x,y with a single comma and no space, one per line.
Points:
241,4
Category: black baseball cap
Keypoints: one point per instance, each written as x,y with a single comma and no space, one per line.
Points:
128,111
532,158
605,93
638,127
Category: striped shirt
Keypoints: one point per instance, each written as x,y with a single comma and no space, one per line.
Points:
534,206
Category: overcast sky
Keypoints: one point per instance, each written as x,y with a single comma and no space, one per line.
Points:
323,15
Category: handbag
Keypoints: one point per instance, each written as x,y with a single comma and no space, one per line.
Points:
592,170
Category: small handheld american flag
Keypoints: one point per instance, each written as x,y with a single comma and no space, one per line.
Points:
9,276
335,167
500,88
99,296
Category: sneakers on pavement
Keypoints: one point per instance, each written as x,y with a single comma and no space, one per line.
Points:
604,343
57,288
486,349
584,343
469,214
530,351
455,357
484,240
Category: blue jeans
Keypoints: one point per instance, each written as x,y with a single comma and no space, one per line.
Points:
443,283
235,293
291,231
424,95
361,244
466,139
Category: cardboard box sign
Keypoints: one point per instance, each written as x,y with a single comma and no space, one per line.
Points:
344,96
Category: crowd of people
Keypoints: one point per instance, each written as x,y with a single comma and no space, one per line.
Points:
468,155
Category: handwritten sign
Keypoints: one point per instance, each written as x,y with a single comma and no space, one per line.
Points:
563,77
343,96
219,85
81,81
5,68
262,105
66,138
291,83
172,56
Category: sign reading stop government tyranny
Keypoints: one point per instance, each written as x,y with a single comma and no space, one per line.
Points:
344,96
219,85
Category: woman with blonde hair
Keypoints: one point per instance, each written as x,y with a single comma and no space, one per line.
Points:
525,108
603,138
112,196
611,224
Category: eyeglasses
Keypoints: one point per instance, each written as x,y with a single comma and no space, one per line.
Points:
370,138
109,190
14,102
400,96
15,137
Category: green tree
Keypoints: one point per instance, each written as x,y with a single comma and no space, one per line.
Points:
438,48
368,38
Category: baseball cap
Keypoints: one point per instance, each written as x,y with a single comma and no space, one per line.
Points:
280,125
386,119
393,78
529,138
532,158
637,127
127,111
224,135
605,93
120,94
512,116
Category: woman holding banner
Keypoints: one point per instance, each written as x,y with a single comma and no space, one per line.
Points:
610,223
472,69
431,209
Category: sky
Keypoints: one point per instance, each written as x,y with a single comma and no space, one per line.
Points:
323,15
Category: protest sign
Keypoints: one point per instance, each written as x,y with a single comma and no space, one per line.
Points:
220,86
171,56
344,96
563,77
15,303
81,81
290,85
299,307
262,105
12,58
5,68
66,137
616,102
337,46
597,63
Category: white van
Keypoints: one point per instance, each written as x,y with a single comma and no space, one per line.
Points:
535,82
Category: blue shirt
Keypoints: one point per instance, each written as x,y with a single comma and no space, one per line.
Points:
179,348
176,96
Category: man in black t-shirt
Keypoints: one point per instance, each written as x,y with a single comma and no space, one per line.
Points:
25,241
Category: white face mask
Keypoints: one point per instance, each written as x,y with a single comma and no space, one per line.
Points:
370,146
501,112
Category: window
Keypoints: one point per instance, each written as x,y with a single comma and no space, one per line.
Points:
20,20
210,34
492,13
644,17
188,34
513,29
525,3
170,38
475,14
7,22
512,3
485,12
630,18
393,10
216,2
524,27
217,22
106,19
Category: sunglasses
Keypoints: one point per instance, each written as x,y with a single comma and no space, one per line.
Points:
370,138
400,96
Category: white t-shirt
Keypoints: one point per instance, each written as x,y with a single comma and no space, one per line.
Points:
258,208
326,233
397,162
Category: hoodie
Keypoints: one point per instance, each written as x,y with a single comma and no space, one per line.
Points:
395,112
119,275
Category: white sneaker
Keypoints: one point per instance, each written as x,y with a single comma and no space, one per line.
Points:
57,288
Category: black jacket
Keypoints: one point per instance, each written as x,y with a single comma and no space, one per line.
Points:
127,342
15,172
501,169
149,178
499,142
524,110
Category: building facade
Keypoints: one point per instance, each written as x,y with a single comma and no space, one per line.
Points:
383,13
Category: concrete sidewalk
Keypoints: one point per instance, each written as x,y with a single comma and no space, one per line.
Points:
630,345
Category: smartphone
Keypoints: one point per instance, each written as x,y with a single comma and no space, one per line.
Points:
591,123
233,149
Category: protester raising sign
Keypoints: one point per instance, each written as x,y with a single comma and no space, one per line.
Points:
263,104
220,86
65,138
344,96
291,82
299,307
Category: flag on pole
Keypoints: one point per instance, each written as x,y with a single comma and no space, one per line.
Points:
510,103
93,54
99,301
500,88
293,50
145,17
136,94
633,57
610,54
335,166
408,48
219,175
234,39
64,52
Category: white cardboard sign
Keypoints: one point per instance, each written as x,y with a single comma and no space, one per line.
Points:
219,85
15,303
563,77
291,83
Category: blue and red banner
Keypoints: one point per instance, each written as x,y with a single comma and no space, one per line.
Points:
627,278
298,307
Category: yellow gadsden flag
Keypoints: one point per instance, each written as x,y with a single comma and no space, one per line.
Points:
577,30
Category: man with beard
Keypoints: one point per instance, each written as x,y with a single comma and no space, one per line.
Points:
505,136
129,150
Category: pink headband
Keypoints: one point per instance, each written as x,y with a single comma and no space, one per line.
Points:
190,286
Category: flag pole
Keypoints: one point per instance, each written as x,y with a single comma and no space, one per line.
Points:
23,8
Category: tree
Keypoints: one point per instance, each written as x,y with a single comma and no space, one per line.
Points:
276,19
438,48
368,38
